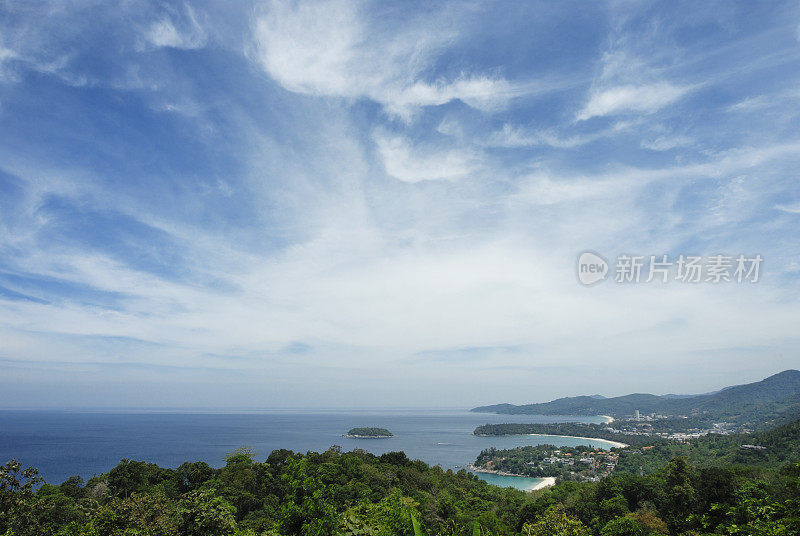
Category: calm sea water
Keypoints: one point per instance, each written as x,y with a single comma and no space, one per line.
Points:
61,443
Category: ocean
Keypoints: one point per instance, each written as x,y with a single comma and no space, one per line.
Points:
66,443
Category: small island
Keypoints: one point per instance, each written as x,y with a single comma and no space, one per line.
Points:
369,433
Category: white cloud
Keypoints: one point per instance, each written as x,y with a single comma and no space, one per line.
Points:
511,136
751,103
631,99
665,143
777,100
5,55
186,107
366,272
328,48
349,285
409,164
791,208
188,34
546,189
632,78
480,92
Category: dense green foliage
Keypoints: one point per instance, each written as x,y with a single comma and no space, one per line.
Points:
566,429
357,493
771,401
369,432
289,493
682,499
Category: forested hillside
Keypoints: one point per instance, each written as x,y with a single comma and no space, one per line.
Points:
566,429
357,493
765,449
770,401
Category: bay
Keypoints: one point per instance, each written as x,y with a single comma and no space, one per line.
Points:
65,443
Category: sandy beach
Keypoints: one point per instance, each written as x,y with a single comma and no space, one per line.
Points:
609,419
546,482
607,441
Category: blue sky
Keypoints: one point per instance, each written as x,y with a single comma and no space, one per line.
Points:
381,203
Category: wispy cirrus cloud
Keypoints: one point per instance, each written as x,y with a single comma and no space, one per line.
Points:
667,142
511,136
179,28
283,204
329,48
791,208
617,100
408,164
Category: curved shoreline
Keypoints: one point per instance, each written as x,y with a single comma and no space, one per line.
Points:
545,481
474,469
614,444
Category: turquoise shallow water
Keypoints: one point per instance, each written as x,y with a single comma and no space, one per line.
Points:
62,444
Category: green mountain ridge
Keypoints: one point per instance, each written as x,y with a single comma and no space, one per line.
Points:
772,400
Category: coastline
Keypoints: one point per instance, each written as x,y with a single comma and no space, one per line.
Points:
367,436
614,444
611,442
545,481
495,472
609,418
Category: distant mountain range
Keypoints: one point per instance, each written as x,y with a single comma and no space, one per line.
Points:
774,399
